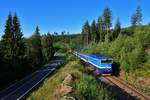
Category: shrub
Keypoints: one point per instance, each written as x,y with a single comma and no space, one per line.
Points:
87,88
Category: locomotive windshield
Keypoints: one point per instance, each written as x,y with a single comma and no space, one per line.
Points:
106,61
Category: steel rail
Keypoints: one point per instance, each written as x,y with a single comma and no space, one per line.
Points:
126,87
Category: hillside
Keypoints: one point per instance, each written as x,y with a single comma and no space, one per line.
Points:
76,88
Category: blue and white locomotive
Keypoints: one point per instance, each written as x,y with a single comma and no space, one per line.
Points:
102,63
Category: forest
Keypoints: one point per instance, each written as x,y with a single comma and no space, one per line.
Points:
128,46
20,56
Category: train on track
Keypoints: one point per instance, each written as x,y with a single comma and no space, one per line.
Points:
102,64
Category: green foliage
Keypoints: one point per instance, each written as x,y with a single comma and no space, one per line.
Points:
12,51
12,41
107,17
128,50
86,34
117,29
34,49
20,56
88,88
136,18
12,44
100,28
48,49
93,31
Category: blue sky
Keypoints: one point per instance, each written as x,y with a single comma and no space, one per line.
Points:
67,15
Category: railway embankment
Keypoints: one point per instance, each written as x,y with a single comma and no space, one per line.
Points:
71,81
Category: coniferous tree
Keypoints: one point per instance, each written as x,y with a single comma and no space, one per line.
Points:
86,35
1,53
100,28
136,18
117,29
93,31
107,18
7,40
13,45
12,40
36,48
139,15
55,36
62,35
47,44
19,44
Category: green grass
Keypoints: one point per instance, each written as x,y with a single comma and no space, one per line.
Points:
85,85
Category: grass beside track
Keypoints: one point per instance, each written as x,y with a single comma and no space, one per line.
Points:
86,87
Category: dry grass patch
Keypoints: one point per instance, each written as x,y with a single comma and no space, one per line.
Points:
138,80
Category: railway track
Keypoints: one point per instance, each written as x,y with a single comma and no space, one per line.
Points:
121,84
123,90
115,81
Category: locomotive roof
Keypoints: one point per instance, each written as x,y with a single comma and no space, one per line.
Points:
99,56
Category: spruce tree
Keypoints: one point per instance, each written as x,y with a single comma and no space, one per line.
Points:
100,28
12,44
8,40
136,18
36,50
86,35
139,15
117,29
107,18
93,31
18,38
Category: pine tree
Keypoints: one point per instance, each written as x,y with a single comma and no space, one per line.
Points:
62,35
18,38
117,29
12,39
107,18
139,15
86,35
136,18
12,44
36,48
100,28
93,31
7,40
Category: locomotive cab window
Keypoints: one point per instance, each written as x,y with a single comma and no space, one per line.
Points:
106,61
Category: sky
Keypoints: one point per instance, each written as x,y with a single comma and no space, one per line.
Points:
67,15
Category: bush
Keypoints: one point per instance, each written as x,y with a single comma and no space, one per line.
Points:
87,88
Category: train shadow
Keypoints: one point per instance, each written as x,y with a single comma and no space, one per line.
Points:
116,69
